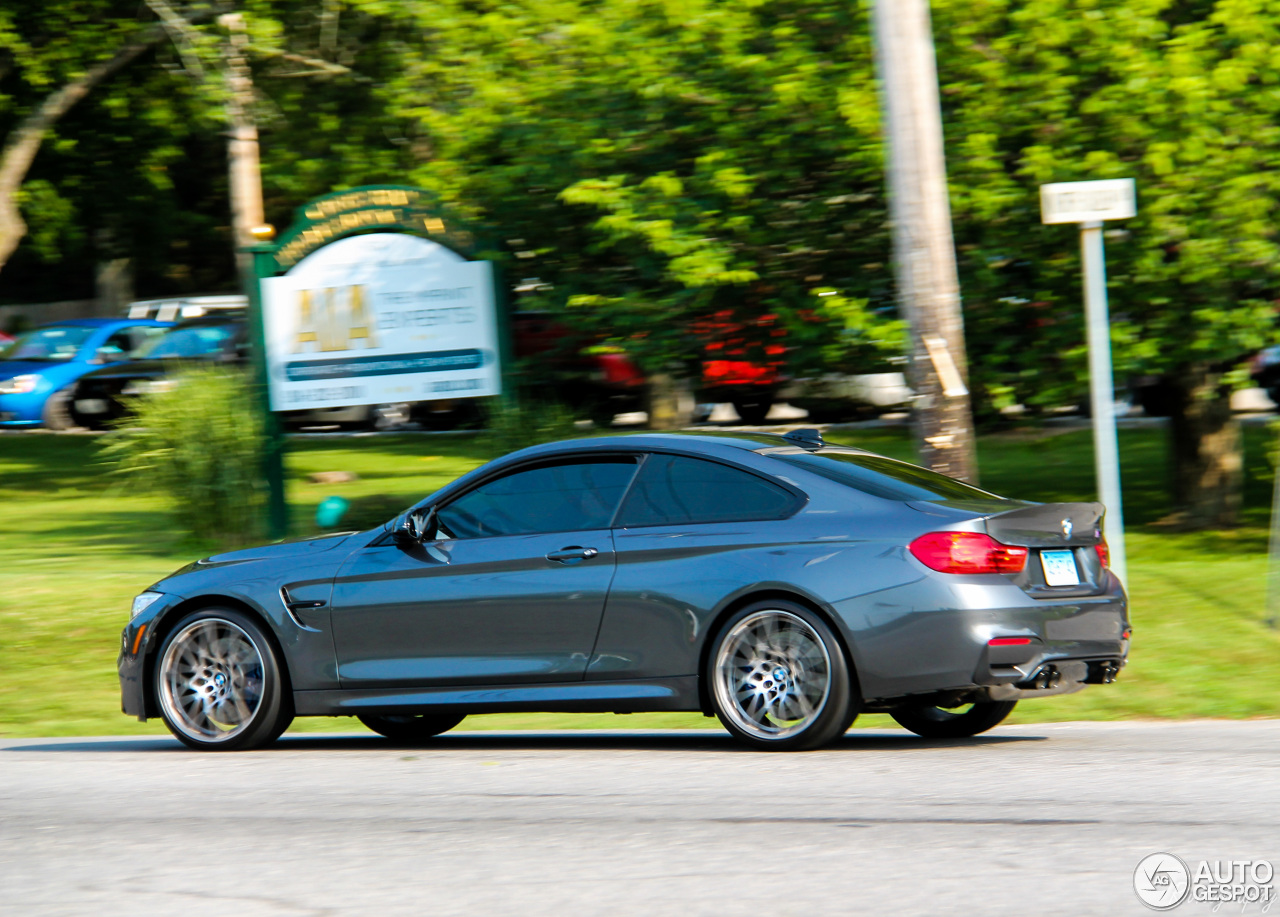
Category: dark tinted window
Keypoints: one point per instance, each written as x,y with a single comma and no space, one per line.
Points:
565,497
671,490
190,342
885,477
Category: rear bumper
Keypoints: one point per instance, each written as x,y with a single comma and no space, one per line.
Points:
935,634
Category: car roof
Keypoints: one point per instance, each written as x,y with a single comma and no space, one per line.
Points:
103,322
229,317
708,441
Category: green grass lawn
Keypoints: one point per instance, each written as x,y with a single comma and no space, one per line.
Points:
75,547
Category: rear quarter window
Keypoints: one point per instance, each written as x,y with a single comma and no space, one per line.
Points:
675,490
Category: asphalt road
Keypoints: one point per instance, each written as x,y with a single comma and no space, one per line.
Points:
1026,820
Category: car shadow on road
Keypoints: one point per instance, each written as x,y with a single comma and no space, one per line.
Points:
586,740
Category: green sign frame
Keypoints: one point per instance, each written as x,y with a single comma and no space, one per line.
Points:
326,219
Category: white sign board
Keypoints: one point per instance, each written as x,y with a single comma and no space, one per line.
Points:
379,318
1088,201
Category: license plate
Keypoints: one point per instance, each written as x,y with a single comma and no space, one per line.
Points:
1060,568
91,405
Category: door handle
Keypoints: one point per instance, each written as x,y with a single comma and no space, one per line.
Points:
572,554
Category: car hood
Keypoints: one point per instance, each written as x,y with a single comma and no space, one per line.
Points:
11,368
302,548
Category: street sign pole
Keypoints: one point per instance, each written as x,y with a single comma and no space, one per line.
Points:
1106,450
1088,203
264,265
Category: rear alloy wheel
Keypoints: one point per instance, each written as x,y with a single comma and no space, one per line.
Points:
412,728
220,684
779,680
956,723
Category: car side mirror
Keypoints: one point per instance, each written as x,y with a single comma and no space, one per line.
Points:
416,527
109,355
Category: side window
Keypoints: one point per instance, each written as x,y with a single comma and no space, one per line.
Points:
139,335
117,344
560,497
673,489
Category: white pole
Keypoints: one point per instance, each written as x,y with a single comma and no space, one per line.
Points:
1273,553
1105,449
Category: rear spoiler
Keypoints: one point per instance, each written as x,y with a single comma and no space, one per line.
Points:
1048,525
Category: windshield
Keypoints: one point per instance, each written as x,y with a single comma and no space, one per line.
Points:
191,342
54,344
885,477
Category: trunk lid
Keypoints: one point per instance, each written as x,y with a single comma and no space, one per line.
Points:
1049,525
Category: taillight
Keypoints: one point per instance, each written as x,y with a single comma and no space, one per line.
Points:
1104,553
967,552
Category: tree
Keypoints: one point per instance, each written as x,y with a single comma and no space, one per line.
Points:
1177,95
56,68
137,169
652,164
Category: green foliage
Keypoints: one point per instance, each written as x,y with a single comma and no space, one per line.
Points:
527,422
1181,98
200,444
653,164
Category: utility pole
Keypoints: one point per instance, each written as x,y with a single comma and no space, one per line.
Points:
924,250
242,146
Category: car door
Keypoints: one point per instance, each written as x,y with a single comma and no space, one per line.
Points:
690,532
511,591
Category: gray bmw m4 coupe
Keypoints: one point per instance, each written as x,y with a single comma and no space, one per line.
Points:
779,583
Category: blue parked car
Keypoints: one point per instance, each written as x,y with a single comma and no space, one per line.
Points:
38,371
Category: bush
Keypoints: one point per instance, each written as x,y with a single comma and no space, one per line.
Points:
199,443
526,423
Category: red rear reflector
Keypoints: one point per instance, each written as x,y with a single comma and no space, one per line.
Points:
1009,641
1104,553
967,552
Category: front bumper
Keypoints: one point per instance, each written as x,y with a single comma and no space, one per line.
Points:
132,665
21,410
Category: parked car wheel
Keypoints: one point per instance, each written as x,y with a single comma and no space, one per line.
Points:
753,410
958,723
779,678
56,414
412,728
220,684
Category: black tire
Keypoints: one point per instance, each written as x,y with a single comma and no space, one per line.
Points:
601,412
239,675
940,723
755,703
753,410
412,728
56,414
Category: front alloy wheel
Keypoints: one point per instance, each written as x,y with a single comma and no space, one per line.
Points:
779,678
219,683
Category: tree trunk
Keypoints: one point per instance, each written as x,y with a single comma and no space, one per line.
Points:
1206,461
670,402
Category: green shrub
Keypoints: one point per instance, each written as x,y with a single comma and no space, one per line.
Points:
199,443
526,423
